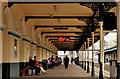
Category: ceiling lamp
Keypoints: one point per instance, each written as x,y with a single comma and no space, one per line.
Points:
58,20
55,8
60,28
51,16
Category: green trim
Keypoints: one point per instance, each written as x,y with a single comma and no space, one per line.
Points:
107,50
13,34
1,29
33,43
38,46
46,49
24,39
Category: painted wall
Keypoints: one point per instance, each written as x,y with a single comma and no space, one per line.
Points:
1,32
26,51
41,54
32,50
1,40
14,57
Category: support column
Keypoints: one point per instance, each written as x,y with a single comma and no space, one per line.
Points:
88,57
5,55
1,40
85,56
1,43
92,73
82,59
31,50
42,53
46,55
113,68
118,40
21,55
101,51
38,54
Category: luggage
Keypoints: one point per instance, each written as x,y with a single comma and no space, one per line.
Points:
23,72
42,70
45,64
29,72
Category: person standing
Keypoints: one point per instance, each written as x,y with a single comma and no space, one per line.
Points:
66,62
72,60
52,60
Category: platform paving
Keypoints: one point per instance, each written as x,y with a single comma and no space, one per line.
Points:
59,72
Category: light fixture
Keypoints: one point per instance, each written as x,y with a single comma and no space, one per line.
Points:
58,20
61,28
55,8
51,16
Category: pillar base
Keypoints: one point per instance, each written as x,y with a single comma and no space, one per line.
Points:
118,71
82,64
85,66
100,72
5,70
21,68
14,70
92,72
88,67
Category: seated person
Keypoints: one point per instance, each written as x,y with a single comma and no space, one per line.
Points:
37,66
54,63
31,64
59,60
50,64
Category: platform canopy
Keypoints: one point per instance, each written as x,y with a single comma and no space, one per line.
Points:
70,20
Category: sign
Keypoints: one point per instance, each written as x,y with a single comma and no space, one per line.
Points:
63,39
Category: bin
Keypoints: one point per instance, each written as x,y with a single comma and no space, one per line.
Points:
45,64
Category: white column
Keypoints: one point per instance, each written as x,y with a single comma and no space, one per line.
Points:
85,54
88,50
85,50
118,32
93,73
118,39
88,56
93,46
101,50
82,57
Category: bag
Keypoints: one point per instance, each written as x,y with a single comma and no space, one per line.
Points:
42,70
23,72
29,72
